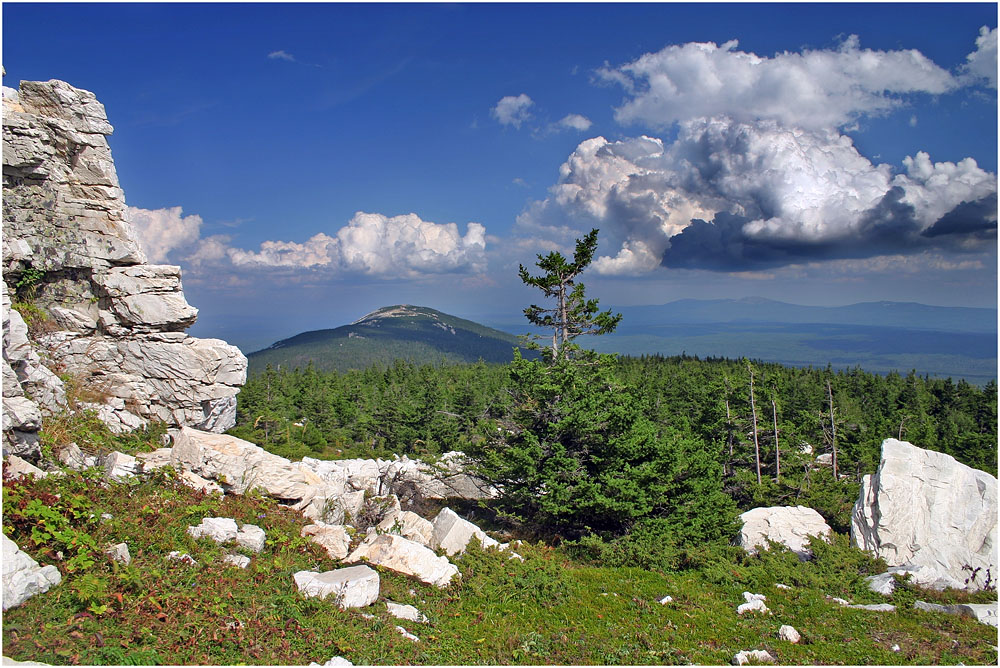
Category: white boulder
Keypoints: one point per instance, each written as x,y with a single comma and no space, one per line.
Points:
405,556
789,634
219,529
985,613
119,553
925,511
746,656
23,577
408,525
238,560
452,533
789,525
754,603
17,467
331,537
118,466
407,612
353,587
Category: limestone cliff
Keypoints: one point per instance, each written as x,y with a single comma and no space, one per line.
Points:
105,318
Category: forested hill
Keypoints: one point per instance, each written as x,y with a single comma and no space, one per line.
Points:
414,333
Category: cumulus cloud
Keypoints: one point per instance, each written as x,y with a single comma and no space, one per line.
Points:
729,195
511,110
812,89
370,244
981,64
574,122
281,55
161,231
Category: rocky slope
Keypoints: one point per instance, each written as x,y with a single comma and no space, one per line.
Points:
102,318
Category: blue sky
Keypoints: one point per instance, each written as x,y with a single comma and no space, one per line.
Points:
307,164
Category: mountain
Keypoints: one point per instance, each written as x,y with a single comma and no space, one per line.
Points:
414,333
939,341
908,315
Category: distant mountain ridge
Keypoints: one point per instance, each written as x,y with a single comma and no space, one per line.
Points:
909,315
415,333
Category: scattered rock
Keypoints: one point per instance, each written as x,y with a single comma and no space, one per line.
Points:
407,612
335,661
74,458
406,634
119,553
195,481
789,634
452,533
666,599
782,586
405,556
838,601
985,613
874,607
238,560
353,587
894,648
754,603
331,537
17,467
753,655
219,529
408,525
789,525
926,512
883,583
251,538
118,466
154,460
23,577
183,557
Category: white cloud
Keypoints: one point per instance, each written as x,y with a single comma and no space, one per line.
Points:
811,89
981,64
377,245
575,122
511,110
767,194
281,55
161,231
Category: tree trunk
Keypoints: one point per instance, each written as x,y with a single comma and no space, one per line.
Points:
833,430
753,410
777,451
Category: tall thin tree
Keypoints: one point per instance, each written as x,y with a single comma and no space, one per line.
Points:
753,410
833,429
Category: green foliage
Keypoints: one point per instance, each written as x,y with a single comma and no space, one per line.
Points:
27,285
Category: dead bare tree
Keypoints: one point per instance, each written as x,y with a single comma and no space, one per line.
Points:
777,451
833,430
753,411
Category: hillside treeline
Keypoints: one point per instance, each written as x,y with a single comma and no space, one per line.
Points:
793,418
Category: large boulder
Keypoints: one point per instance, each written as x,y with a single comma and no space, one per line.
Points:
925,511
353,587
405,556
789,525
452,533
23,577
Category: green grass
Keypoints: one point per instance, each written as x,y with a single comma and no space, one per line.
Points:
549,609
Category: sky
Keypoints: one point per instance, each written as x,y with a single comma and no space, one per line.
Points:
306,164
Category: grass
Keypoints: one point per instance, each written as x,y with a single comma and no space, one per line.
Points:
548,609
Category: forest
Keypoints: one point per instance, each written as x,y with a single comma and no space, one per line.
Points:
595,446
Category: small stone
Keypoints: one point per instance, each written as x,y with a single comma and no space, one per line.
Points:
895,648
335,661
219,529
874,607
666,599
185,557
838,601
119,553
755,655
782,586
406,634
407,612
789,634
754,603
251,537
238,560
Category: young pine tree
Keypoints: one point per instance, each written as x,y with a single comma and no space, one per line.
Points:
574,453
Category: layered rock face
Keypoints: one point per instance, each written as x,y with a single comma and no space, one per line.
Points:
929,515
112,322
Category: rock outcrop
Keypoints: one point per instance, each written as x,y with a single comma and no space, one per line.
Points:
932,516
106,318
789,525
